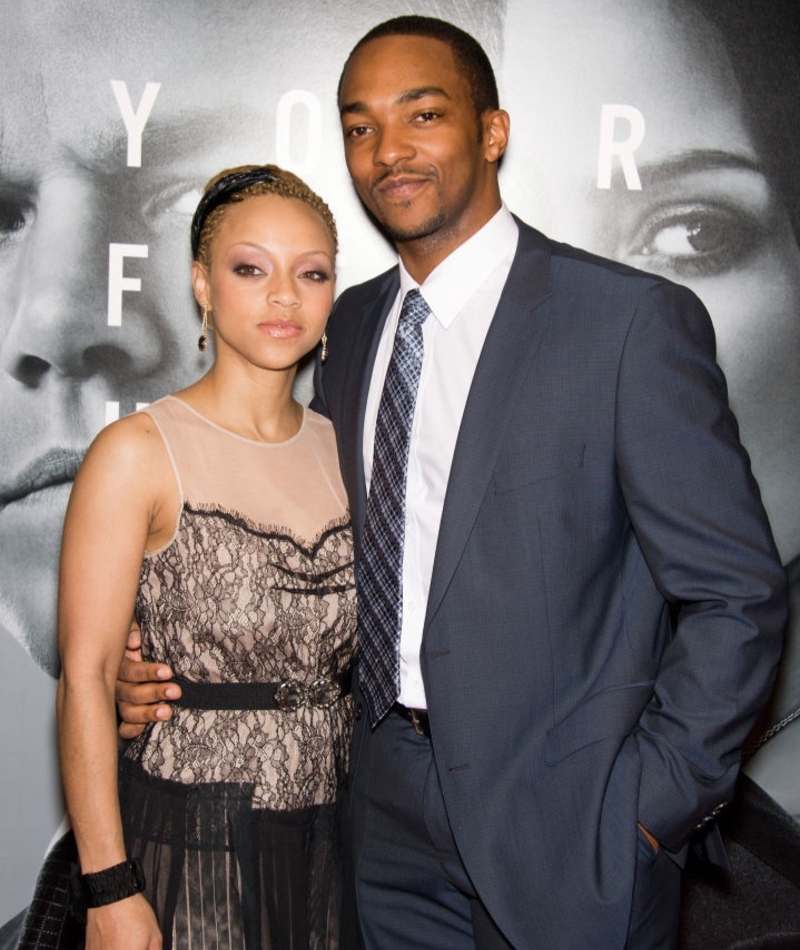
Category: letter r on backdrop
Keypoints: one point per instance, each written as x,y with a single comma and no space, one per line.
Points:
623,149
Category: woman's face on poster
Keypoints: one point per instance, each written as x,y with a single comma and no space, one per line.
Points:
705,215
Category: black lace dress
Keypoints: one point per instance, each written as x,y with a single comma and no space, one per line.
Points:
236,814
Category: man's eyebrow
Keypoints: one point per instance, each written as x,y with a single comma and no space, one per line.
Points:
166,138
353,108
662,171
410,95
185,132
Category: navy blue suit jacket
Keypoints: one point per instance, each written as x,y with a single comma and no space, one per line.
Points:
607,605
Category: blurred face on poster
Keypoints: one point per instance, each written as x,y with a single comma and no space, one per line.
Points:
632,136
113,117
98,182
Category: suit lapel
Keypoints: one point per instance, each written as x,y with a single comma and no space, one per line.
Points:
362,359
510,346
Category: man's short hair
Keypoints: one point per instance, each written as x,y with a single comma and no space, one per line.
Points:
469,55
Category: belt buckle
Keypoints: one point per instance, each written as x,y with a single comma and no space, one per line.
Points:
290,695
324,692
417,722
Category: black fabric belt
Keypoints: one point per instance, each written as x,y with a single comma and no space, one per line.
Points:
417,717
286,696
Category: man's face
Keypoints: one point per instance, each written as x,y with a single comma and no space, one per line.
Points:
67,193
419,157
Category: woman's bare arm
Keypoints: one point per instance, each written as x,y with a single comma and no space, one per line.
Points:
119,506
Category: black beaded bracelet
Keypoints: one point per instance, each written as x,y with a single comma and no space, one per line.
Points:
105,887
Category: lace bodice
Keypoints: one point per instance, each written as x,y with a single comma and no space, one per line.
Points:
256,585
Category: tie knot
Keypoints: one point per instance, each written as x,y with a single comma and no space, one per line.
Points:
415,310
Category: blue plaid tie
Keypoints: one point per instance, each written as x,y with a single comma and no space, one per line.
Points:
380,571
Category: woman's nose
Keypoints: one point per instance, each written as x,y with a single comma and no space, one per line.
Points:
281,289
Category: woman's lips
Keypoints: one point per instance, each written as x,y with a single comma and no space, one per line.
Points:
280,329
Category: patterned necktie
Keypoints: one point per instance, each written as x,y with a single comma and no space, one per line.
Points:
380,571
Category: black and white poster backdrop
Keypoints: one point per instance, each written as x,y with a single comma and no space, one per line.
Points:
662,134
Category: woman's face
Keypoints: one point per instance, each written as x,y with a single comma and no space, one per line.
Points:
269,283
706,216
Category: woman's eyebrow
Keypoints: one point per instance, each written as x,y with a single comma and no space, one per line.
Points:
653,173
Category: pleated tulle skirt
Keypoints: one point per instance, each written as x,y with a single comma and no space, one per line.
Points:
223,874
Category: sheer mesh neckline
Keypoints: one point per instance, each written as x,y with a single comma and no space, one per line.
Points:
295,488
235,435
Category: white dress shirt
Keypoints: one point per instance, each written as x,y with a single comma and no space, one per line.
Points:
462,293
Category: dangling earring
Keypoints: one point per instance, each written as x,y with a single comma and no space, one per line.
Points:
202,340
323,356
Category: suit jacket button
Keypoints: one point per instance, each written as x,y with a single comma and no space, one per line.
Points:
359,711
714,813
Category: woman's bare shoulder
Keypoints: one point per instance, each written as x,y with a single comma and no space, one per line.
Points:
129,454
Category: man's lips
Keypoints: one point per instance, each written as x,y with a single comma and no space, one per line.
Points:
402,185
56,467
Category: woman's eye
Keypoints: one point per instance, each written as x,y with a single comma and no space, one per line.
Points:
695,241
319,276
247,270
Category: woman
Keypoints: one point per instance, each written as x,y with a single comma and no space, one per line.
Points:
218,516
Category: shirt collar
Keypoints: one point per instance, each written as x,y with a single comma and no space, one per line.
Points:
451,285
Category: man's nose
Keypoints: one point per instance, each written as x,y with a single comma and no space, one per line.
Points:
392,145
59,321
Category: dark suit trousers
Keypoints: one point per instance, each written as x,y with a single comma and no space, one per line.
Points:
412,889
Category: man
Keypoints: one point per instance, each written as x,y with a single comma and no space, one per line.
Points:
590,603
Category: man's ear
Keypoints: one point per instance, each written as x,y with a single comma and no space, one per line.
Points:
496,125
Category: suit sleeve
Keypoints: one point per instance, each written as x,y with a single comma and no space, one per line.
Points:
698,518
319,403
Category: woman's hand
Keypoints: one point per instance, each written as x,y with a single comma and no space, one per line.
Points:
129,924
